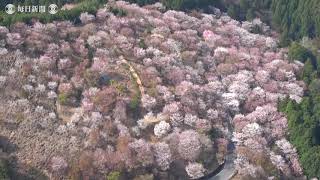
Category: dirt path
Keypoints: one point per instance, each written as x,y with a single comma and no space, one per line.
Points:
134,74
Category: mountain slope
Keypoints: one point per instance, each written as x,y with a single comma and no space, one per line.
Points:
74,109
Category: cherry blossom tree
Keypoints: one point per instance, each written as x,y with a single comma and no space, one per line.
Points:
65,88
195,170
46,61
105,99
189,146
14,39
58,165
3,31
120,111
148,102
86,18
163,155
161,129
143,151
102,14
175,75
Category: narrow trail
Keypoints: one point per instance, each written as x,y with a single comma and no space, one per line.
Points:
150,120
134,74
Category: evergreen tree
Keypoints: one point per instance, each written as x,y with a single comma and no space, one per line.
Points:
299,17
233,12
314,87
298,52
308,70
244,5
318,63
250,15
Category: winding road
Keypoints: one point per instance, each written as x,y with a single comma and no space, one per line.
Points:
226,170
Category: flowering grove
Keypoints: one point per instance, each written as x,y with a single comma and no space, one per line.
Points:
75,110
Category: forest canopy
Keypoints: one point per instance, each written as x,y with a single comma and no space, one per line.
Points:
293,19
296,18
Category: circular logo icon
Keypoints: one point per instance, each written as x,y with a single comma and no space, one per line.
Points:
10,9
53,8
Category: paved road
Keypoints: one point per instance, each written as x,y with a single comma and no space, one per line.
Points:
228,170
